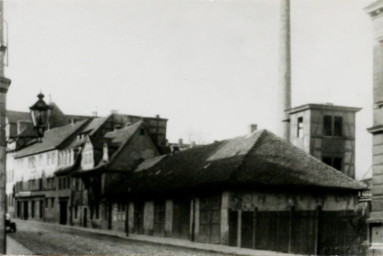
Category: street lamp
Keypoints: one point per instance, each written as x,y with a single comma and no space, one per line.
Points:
40,112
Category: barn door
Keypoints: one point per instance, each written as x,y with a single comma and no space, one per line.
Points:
181,218
139,218
209,229
233,227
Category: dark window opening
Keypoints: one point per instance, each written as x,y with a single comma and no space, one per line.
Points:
335,162
33,209
300,127
327,125
332,126
97,209
41,208
159,217
338,125
75,211
327,160
142,131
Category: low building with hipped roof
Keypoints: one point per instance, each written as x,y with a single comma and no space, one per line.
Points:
255,191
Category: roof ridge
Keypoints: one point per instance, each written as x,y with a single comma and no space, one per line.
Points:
114,156
262,133
102,123
81,125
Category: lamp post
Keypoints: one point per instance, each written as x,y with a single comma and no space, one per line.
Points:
40,112
4,85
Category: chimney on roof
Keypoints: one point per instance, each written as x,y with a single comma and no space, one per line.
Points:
114,111
94,113
105,155
157,116
180,142
192,144
253,128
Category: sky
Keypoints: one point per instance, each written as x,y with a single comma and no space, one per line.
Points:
210,67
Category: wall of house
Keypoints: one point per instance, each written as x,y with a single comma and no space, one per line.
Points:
343,146
87,160
377,177
272,201
119,216
375,221
51,206
302,142
314,142
212,216
291,222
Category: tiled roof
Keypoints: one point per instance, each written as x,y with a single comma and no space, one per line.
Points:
95,124
121,135
53,138
14,116
261,158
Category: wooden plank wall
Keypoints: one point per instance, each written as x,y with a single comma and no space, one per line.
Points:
303,232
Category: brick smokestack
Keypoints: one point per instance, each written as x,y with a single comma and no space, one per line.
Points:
285,69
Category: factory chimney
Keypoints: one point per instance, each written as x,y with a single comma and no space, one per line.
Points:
285,69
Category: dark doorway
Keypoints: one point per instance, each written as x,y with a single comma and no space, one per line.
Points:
247,229
139,218
210,220
85,217
63,211
233,228
41,210
25,210
181,218
18,209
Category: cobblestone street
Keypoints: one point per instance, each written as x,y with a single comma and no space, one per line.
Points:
46,240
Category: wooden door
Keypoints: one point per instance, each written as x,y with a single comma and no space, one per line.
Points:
181,218
210,216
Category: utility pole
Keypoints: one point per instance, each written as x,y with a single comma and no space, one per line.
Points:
285,69
4,85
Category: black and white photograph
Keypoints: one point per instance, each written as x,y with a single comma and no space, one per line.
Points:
191,127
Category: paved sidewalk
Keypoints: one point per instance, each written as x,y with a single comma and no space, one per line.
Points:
165,241
15,248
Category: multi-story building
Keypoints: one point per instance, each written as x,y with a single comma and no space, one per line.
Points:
326,132
375,10
36,187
